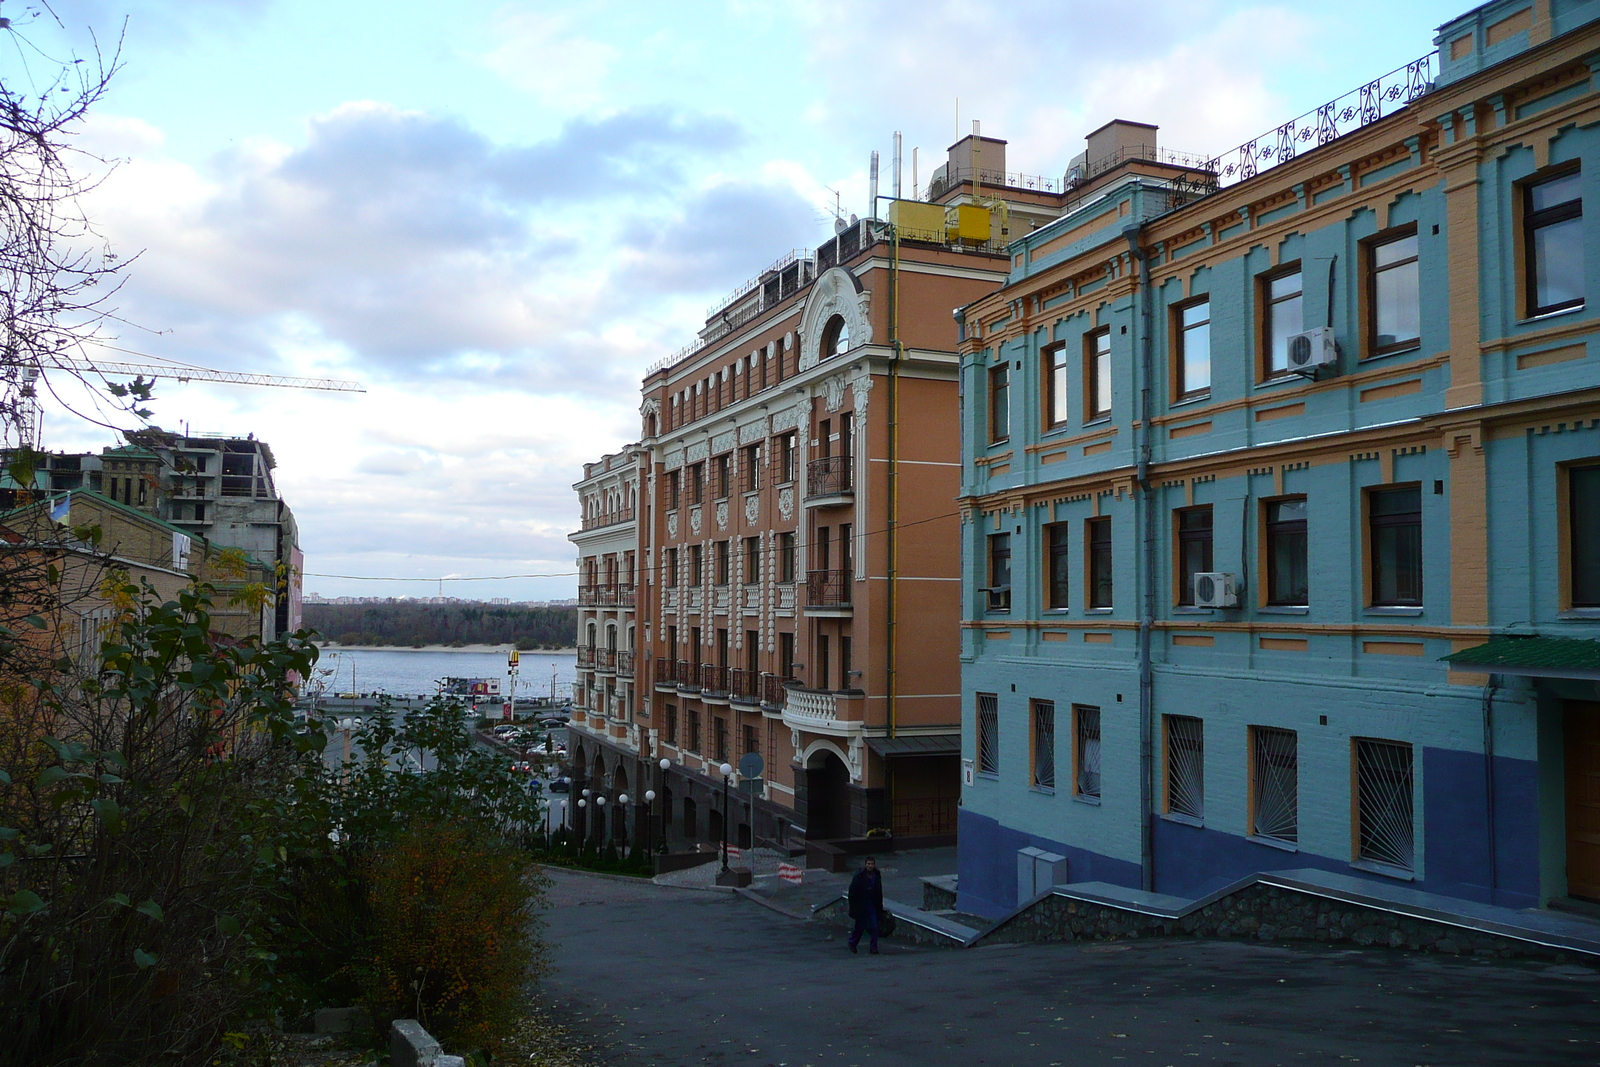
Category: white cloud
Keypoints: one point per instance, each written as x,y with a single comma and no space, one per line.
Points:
542,54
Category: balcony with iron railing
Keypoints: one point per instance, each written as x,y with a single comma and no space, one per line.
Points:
688,675
828,592
773,689
587,655
605,660
828,482
744,687
622,661
713,681
608,518
667,673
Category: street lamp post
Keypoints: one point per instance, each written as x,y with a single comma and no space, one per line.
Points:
620,820
665,812
727,773
649,798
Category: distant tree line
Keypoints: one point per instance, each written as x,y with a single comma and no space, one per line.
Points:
407,625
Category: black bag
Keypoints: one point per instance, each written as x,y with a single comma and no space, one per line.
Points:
885,923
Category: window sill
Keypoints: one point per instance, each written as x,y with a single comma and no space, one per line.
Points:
1098,420
1186,820
1283,609
1067,611
1408,350
1399,874
1284,378
1084,798
1577,614
1187,609
1394,612
1272,842
1043,790
998,441
992,776
1548,315
1098,611
1185,401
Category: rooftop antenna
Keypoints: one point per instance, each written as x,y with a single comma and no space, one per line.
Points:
916,190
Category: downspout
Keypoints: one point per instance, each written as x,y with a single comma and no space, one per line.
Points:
894,479
1146,568
1488,787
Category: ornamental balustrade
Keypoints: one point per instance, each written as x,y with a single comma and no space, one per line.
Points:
828,476
828,588
713,679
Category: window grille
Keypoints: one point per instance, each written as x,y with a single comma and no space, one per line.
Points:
1044,744
988,733
1386,831
1088,751
1275,766
1186,766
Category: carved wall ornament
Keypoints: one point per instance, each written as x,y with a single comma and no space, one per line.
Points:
724,441
672,460
694,520
752,509
786,419
651,406
752,432
835,293
695,452
860,387
672,524
834,392
722,514
786,503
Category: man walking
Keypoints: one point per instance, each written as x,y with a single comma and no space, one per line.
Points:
866,903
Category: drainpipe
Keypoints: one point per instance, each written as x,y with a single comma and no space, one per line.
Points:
1488,785
1146,567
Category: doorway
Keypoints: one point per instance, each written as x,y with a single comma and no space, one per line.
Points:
1582,731
827,805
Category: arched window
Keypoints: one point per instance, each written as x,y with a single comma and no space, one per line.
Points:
835,338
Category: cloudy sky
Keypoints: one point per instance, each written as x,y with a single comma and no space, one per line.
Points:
495,215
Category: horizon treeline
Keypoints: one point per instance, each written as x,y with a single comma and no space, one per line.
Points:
414,625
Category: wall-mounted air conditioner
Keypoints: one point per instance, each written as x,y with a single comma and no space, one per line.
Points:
1312,349
1215,589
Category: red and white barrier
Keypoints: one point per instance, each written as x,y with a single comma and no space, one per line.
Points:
790,873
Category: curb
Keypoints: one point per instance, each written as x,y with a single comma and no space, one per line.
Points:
774,905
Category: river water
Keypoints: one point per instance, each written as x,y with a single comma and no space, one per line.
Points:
416,672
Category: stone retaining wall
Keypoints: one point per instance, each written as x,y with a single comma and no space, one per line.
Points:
1261,913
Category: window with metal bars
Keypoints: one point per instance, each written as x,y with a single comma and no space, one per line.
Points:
1186,782
1274,784
988,733
1385,827
1086,751
1044,744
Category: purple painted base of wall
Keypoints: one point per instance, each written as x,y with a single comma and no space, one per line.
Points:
986,858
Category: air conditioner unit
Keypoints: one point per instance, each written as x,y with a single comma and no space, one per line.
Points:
1215,589
1312,349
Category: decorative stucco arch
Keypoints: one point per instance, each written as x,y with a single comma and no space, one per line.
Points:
837,292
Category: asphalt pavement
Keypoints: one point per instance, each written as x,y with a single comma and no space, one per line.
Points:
660,975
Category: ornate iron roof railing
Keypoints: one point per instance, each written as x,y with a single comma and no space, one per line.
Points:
1360,107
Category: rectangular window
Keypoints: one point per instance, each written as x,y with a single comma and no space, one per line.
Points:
786,557
752,560
1396,519
697,483
1283,317
845,667
847,434
697,573
672,642
1044,744
1194,350
846,551
1552,235
721,550
1086,751
786,655
674,485
1274,784
1385,831
694,730
1395,294
1060,565
752,741
821,673
1194,549
1099,542
1097,375
752,468
724,473
988,731
1288,581
999,590
1055,385
1000,402
784,457
1186,781
752,652
672,724
1583,535
822,547
719,727
669,567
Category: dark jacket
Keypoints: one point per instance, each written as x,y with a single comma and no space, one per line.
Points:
866,892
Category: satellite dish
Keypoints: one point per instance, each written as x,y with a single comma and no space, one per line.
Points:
839,225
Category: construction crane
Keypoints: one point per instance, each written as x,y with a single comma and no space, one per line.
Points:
25,378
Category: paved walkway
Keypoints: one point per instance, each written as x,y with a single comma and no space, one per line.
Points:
675,976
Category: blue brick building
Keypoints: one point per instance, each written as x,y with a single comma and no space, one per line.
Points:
1251,447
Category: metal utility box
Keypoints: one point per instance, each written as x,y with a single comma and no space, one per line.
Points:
1037,871
917,221
968,222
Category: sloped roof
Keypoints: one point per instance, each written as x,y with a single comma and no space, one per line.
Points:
1543,657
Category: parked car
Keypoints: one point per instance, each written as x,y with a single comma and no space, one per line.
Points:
561,785
523,766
